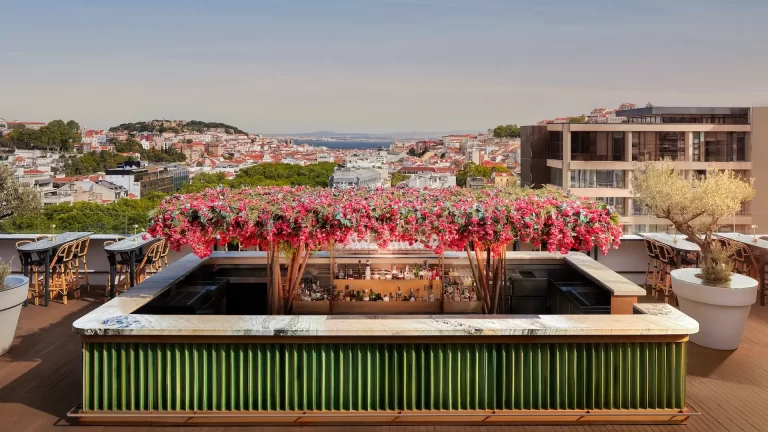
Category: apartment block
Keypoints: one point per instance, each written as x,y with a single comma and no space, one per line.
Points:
139,181
597,159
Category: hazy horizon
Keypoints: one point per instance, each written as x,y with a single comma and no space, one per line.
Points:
279,67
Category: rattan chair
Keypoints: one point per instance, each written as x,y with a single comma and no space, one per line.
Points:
35,267
652,266
161,257
62,272
81,250
164,253
121,274
744,261
663,282
148,262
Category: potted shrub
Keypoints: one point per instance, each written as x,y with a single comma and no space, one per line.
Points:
16,199
13,292
711,294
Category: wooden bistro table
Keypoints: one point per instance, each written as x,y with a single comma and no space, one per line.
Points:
760,248
133,247
47,248
678,243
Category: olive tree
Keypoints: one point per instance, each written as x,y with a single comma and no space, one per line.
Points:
15,197
694,206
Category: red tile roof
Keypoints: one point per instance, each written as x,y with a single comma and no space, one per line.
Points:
491,164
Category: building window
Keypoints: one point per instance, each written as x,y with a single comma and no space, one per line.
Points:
638,208
597,146
555,145
696,146
597,179
616,202
715,146
556,176
654,146
652,228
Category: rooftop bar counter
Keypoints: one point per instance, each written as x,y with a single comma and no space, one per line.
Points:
141,364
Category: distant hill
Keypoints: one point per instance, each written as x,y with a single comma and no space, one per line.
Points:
177,126
330,134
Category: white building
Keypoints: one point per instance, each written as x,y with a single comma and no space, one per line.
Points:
431,181
355,177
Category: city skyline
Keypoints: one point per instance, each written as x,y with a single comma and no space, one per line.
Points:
374,67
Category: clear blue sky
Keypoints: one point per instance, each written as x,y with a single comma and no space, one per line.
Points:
374,66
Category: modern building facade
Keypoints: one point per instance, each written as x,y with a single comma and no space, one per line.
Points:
597,159
355,177
431,181
180,176
142,180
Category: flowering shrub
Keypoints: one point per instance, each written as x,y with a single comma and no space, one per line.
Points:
447,218
292,222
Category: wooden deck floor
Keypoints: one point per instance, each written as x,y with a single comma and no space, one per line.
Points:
40,382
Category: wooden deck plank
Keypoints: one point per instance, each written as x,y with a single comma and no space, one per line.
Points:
40,382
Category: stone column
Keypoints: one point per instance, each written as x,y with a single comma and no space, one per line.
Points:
689,146
628,173
566,157
628,146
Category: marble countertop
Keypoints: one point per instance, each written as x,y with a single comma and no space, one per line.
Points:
116,316
133,242
677,242
53,242
617,284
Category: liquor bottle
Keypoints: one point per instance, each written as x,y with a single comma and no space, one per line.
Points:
399,294
395,274
340,274
426,296
411,297
407,273
473,296
431,295
350,275
387,297
368,269
359,295
366,297
465,294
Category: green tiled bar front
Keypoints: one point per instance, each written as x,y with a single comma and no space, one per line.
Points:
174,377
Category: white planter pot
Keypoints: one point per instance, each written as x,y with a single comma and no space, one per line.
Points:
721,311
12,295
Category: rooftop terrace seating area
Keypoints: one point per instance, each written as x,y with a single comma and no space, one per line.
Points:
40,381
40,377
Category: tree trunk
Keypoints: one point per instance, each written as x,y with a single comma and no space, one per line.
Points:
480,294
275,284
